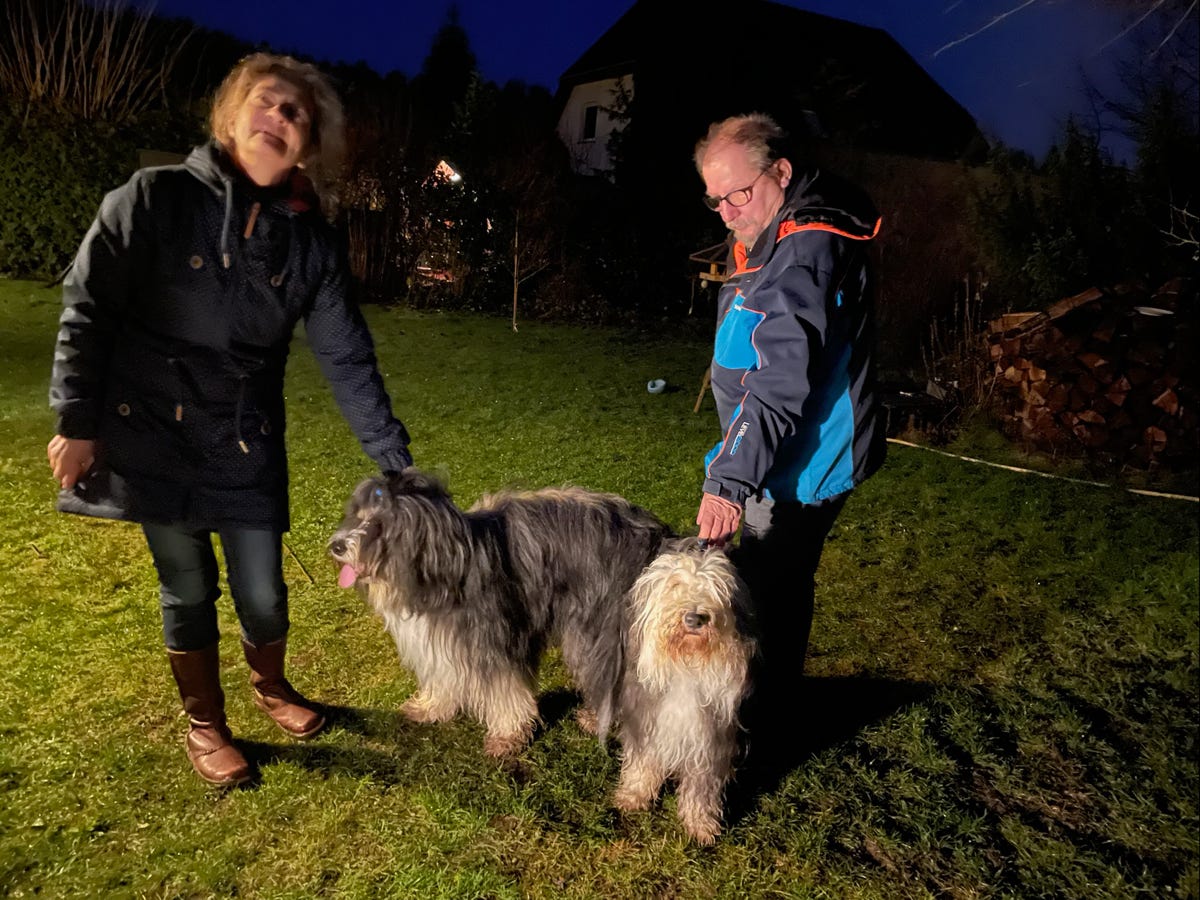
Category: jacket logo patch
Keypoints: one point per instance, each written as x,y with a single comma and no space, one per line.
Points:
737,440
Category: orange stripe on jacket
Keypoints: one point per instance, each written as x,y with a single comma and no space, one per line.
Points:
791,227
741,256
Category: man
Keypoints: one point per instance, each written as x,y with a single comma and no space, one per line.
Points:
792,372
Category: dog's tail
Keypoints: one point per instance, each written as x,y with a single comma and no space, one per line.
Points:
606,708
598,674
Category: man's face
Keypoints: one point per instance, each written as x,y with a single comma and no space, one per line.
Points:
271,130
728,168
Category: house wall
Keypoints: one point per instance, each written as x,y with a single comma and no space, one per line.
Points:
590,156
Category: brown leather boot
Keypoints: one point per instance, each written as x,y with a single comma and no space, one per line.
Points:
275,696
209,744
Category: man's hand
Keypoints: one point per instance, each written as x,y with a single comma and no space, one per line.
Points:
70,459
718,519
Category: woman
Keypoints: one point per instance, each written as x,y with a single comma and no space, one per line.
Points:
168,377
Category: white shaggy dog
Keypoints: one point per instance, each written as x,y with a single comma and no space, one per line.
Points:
686,673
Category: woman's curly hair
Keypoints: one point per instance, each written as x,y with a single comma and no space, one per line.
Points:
326,150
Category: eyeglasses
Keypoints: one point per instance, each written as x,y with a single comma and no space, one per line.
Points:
737,198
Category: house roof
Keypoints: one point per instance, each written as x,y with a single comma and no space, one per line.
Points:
862,85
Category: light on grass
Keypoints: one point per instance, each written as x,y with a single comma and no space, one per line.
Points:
1045,747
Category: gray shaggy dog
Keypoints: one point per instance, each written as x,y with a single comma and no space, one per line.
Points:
473,599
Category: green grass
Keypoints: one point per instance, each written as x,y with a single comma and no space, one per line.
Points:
1001,701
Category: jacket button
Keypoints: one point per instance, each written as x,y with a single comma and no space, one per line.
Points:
265,428
276,280
195,262
123,409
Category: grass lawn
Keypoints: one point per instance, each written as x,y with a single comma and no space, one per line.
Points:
1001,698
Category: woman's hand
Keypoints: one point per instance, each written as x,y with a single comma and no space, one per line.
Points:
70,459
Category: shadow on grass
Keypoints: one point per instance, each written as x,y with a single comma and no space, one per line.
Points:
782,733
327,760
387,746
556,705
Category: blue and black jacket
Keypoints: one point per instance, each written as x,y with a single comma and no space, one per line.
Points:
792,369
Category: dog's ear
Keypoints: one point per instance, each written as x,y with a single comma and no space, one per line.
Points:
374,492
366,495
414,483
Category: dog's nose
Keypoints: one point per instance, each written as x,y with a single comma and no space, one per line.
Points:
695,619
337,547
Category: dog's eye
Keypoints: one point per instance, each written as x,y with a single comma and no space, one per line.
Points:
378,493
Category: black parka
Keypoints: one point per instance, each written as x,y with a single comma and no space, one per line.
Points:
178,315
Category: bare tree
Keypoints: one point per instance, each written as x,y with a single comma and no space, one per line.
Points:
533,242
1184,231
1174,13
98,60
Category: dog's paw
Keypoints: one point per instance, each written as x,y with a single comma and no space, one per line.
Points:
702,829
585,718
418,708
628,800
500,746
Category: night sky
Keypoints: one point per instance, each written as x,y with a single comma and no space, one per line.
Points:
1020,78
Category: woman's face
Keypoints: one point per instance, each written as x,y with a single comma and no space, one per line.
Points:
270,130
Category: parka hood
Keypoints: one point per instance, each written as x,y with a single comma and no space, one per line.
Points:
213,166
820,198
814,199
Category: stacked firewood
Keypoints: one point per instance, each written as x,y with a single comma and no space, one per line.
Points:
1111,373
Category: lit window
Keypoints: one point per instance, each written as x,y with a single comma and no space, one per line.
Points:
589,122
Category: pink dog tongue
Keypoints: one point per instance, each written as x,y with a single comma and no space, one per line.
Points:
347,576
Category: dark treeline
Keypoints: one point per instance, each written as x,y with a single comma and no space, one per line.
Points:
521,234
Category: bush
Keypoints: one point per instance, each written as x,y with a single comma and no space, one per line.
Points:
54,173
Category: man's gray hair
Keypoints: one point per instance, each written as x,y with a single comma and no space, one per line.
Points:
757,132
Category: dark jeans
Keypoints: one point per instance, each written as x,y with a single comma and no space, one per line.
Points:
188,583
780,549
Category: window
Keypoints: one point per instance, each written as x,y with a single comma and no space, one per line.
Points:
590,114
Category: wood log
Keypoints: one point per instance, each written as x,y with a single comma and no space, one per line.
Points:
1062,307
1058,397
1120,419
1155,438
1139,375
1167,401
1092,436
1011,346
1088,374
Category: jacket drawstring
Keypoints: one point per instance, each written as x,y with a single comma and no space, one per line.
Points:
237,415
251,219
174,364
225,258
